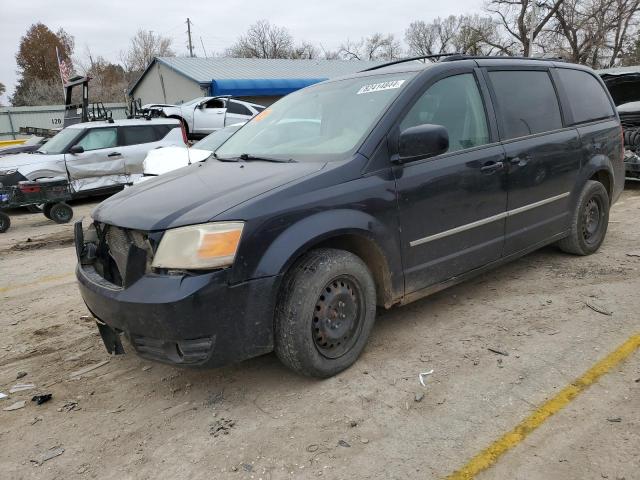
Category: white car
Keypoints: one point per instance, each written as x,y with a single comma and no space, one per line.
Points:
167,159
204,115
94,156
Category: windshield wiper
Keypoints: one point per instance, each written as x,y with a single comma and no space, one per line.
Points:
247,157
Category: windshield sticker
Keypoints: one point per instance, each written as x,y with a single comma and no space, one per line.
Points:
377,87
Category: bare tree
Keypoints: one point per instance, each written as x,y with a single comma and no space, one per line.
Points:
39,91
374,47
472,34
306,51
626,22
143,48
524,20
263,40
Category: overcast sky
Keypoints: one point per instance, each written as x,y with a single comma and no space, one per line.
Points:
106,26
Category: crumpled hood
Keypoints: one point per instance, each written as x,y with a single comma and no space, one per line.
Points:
197,193
20,159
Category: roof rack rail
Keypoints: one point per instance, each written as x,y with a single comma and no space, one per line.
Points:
461,56
411,59
452,57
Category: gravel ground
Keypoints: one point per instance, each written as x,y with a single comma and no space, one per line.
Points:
130,418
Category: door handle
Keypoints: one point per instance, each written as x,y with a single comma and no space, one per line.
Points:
491,167
114,154
220,113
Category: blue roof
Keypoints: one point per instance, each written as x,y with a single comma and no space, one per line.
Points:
260,87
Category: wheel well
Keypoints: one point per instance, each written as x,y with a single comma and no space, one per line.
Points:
371,255
604,178
184,123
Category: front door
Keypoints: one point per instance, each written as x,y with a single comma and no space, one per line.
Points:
209,116
452,206
543,157
100,165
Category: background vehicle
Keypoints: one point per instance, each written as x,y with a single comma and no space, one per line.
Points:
204,115
93,156
32,144
166,159
370,190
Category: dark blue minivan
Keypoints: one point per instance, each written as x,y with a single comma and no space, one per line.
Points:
366,191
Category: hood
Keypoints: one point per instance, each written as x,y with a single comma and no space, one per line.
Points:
20,159
197,193
166,159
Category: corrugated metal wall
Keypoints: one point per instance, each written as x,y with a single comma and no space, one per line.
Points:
49,116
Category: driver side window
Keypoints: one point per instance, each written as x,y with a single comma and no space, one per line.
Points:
99,138
454,103
215,103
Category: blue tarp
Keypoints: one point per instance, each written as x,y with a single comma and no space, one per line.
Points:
260,87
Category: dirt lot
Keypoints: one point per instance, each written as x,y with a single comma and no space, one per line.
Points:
130,418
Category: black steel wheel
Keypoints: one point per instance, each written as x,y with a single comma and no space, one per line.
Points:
61,213
5,222
325,312
589,221
337,318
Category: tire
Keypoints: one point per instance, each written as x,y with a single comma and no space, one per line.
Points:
46,210
325,312
589,221
5,222
61,213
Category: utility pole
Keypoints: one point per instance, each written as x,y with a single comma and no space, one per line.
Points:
189,35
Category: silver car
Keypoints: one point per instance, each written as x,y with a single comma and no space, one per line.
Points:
94,156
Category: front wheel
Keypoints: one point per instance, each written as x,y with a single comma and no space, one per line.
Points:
325,313
589,221
5,222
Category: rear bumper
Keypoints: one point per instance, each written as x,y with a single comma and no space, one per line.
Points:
195,320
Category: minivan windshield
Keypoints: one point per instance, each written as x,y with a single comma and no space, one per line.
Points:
60,141
320,123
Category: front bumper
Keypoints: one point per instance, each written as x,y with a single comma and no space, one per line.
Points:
632,165
197,320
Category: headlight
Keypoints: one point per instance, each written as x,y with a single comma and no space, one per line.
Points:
8,172
197,247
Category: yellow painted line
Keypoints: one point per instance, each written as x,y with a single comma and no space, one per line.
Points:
490,455
39,281
8,143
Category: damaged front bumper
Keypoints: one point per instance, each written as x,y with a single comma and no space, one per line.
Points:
181,319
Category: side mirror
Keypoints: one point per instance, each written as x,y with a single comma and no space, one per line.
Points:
422,141
76,149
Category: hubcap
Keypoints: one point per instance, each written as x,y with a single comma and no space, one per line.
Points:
591,220
336,321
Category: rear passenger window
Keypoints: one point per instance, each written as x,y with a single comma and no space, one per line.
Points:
138,135
527,102
587,98
454,103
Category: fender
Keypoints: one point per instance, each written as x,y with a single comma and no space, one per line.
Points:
595,164
323,226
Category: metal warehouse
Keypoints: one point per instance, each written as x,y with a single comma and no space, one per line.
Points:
178,79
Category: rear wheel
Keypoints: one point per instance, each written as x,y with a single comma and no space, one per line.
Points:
589,221
61,213
5,222
325,313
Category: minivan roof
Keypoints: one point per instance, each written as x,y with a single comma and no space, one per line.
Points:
126,122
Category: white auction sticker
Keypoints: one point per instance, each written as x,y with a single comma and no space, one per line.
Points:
376,87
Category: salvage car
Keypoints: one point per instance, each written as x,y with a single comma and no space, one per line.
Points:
95,157
371,190
163,160
204,115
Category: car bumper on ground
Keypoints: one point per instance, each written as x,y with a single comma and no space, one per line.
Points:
196,320
632,165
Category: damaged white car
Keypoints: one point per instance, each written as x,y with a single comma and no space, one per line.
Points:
204,115
96,156
167,159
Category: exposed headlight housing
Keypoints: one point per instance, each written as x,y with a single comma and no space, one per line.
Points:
199,247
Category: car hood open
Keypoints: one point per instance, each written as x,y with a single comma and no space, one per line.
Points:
197,193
